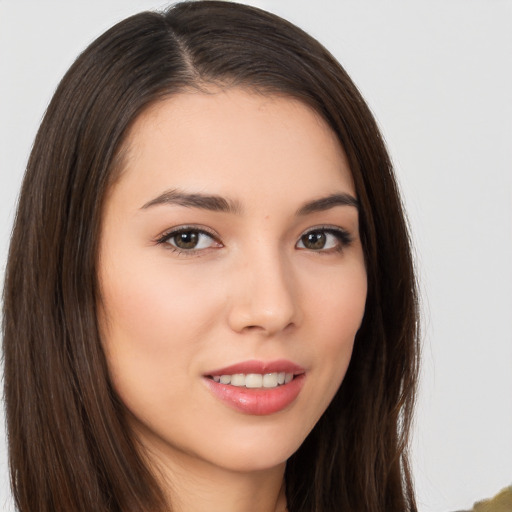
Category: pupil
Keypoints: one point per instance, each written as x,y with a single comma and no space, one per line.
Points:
186,240
315,240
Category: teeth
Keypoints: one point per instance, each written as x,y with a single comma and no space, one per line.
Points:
238,379
225,379
269,380
255,380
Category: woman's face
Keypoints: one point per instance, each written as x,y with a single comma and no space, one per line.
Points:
230,260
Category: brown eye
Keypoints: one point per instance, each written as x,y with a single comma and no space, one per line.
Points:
324,240
186,240
315,240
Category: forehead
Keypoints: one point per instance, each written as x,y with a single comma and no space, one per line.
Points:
234,142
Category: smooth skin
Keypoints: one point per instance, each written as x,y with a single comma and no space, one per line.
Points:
255,279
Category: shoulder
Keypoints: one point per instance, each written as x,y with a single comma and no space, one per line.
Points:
502,502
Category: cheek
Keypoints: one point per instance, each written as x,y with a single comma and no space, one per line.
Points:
152,330
335,310
153,298
150,321
346,316
337,307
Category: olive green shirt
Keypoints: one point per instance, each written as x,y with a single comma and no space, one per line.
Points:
502,502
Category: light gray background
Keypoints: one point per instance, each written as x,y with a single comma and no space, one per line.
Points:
438,76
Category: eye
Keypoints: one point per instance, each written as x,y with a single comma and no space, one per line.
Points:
186,239
324,239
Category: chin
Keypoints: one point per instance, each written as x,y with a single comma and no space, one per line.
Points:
258,451
250,462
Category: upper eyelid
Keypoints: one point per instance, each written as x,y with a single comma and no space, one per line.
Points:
325,227
169,233
328,228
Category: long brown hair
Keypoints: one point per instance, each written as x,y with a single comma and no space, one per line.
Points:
69,446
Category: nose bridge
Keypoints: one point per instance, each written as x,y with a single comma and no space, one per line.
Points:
265,292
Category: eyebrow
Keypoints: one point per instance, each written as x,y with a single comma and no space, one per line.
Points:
220,204
196,200
326,203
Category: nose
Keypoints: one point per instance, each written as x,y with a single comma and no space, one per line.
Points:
264,295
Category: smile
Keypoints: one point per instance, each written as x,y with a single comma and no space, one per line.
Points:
255,380
257,387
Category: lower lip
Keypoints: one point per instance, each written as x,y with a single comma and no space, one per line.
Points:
258,402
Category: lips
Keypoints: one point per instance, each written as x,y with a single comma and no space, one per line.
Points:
257,387
262,367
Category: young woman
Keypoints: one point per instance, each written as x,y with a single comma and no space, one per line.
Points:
210,301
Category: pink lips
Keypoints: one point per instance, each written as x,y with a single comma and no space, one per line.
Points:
260,401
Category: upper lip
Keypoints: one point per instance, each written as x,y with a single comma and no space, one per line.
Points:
261,367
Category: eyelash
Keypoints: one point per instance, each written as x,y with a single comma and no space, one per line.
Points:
343,237
165,237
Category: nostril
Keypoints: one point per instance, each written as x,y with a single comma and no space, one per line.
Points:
266,328
253,328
